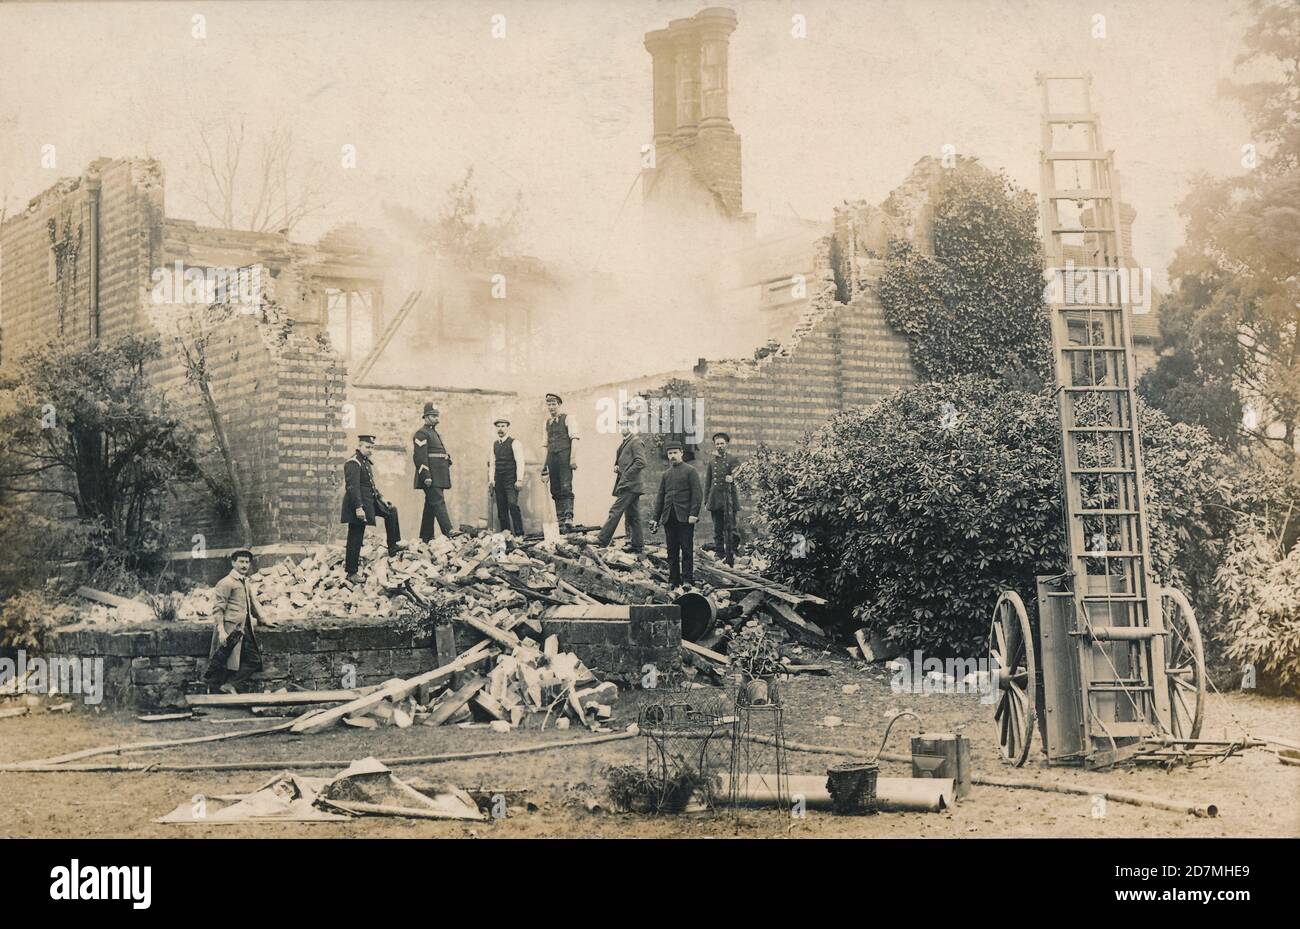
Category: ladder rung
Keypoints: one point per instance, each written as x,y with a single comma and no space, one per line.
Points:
1098,428
1119,688
1106,388
1103,471
1113,598
1093,348
1062,230
1089,308
1121,633
1110,555
1105,513
1123,729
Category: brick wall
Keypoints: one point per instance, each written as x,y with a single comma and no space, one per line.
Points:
278,388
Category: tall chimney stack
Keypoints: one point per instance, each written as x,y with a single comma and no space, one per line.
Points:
690,102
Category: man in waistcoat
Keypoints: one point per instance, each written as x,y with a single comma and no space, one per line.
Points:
560,459
506,477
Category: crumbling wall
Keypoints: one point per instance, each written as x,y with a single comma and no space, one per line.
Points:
278,387
46,256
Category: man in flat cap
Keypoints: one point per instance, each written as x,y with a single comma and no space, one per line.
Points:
560,459
506,477
362,502
677,508
721,497
432,474
234,655
629,462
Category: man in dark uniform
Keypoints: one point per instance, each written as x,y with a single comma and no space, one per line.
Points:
560,460
677,508
721,498
236,610
432,474
362,502
629,462
506,477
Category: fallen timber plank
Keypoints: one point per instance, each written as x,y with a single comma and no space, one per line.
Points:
616,589
278,699
807,668
704,652
784,612
479,652
450,703
100,596
734,577
500,636
384,809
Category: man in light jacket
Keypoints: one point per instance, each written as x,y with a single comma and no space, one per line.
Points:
236,611
629,462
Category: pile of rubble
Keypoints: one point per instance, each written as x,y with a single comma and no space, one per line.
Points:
500,586
521,683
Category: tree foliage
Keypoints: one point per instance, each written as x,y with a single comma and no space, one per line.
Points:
1260,585
976,305
1233,318
459,229
82,424
914,514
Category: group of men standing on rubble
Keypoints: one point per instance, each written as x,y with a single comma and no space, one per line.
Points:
677,504
234,653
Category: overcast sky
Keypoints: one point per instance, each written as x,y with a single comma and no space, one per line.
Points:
560,106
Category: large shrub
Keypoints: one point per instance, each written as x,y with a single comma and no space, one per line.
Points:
82,427
1260,595
913,514
975,306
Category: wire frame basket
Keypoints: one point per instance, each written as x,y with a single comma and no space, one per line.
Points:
687,735
852,787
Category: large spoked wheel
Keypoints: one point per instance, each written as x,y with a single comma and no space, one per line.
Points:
1011,651
1184,665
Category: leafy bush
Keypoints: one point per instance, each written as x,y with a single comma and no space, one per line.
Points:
83,427
26,616
1260,593
976,305
913,514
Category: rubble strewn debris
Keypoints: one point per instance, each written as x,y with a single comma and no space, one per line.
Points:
500,587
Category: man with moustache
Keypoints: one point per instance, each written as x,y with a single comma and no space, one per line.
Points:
506,477
560,460
677,509
362,502
235,617
629,462
721,498
432,474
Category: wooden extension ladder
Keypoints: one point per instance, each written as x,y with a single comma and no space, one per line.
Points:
1115,625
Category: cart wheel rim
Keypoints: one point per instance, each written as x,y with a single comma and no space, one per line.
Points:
1014,673
1184,665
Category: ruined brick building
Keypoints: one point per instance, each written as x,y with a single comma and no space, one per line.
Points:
352,337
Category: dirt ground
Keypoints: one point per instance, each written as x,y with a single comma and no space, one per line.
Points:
1255,794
